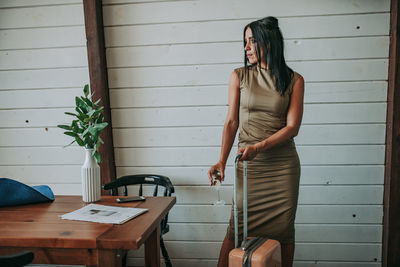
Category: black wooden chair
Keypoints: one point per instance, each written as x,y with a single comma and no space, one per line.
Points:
151,179
17,260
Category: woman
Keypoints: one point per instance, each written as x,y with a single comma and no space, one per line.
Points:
265,102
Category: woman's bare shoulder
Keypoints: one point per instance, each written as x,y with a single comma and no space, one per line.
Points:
297,77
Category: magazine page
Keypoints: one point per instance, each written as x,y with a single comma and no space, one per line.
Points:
104,214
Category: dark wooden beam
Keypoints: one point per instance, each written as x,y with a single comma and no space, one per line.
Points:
391,221
99,82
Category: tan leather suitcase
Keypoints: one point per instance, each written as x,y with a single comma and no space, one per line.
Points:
268,254
254,252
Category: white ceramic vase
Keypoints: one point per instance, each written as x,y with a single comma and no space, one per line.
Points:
90,174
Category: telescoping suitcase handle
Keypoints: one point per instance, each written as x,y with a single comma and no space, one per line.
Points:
235,208
251,245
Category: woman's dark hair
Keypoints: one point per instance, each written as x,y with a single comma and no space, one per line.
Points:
269,39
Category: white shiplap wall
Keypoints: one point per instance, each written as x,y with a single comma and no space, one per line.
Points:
169,63
43,65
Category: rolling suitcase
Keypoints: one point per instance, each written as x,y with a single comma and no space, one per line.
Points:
257,251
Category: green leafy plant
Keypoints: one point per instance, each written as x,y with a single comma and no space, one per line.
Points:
87,124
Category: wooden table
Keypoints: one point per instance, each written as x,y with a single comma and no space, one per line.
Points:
38,228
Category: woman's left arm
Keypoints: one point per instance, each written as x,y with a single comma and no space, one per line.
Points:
293,121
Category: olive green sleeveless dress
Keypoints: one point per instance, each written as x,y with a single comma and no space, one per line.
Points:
273,176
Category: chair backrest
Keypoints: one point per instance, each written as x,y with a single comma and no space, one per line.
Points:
17,260
140,179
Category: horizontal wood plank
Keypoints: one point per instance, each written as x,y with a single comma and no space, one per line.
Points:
35,118
133,261
45,174
216,53
47,78
310,175
193,116
212,136
375,263
315,214
341,134
215,116
308,194
163,12
22,3
38,37
340,233
232,30
45,98
335,92
200,156
23,137
43,58
71,187
312,71
42,16
41,156
186,96
304,251
372,91
335,175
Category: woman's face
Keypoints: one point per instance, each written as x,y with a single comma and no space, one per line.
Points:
251,47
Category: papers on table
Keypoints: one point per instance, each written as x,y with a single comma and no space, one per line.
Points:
103,214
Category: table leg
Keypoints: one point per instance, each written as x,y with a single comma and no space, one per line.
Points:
152,249
110,257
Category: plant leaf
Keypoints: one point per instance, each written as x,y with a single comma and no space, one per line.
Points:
91,130
97,156
79,141
87,101
75,127
99,127
97,102
91,112
85,132
100,118
98,111
88,142
81,116
81,104
70,143
65,127
97,145
86,90
71,114
71,134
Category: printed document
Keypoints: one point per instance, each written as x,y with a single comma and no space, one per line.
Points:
103,214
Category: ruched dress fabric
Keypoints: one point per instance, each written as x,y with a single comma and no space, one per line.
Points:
272,176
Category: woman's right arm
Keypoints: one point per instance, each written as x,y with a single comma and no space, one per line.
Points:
230,127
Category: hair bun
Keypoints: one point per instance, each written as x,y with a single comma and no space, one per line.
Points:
270,22
274,22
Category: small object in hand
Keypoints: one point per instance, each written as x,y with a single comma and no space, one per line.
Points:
216,178
217,183
130,199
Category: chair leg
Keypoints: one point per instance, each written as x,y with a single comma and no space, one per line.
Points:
124,259
165,253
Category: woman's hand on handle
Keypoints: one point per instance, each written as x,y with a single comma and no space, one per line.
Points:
217,170
249,152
